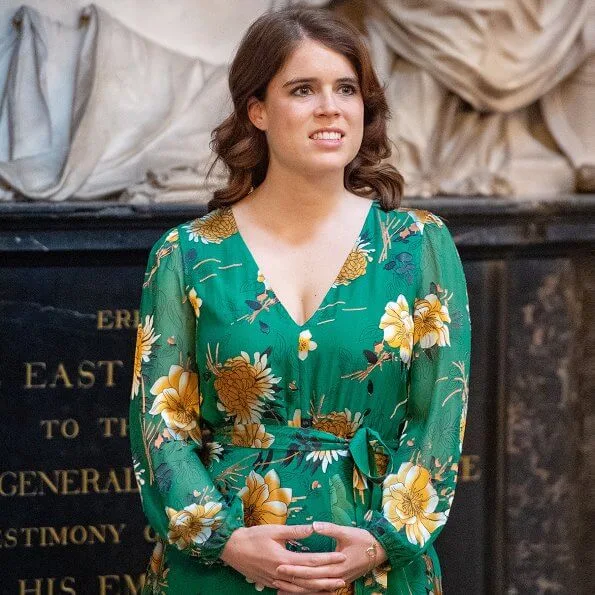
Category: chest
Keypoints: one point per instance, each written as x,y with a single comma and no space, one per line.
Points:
302,275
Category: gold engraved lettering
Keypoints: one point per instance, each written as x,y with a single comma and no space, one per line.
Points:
68,428
89,477
117,319
61,374
109,431
122,319
83,373
104,322
8,538
68,482
149,534
37,374
47,586
470,470
61,536
7,476
110,370
111,583
31,371
132,587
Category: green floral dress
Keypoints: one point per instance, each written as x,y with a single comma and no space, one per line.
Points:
239,416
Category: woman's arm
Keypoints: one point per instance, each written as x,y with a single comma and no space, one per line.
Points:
418,493
177,493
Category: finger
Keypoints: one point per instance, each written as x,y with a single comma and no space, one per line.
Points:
259,582
299,586
293,531
285,587
329,529
311,572
307,586
314,559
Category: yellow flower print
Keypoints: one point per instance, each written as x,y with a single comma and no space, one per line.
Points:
214,451
326,457
356,263
429,318
178,402
423,217
305,344
212,228
265,501
195,301
157,557
173,236
251,435
398,326
193,524
145,337
409,500
242,387
262,279
380,574
381,461
360,483
296,421
340,423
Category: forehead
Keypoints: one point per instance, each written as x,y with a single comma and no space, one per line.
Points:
312,59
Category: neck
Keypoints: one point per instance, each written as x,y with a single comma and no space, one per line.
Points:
302,199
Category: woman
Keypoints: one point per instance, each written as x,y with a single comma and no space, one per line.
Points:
301,373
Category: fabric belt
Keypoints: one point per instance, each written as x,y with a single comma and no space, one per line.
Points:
361,447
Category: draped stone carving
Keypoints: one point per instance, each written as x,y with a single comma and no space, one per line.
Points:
465,82
490,97
89,126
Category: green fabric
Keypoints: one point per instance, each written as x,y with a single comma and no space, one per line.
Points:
240,416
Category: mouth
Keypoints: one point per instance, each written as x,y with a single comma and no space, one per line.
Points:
327,136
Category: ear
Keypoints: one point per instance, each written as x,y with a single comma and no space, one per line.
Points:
257,113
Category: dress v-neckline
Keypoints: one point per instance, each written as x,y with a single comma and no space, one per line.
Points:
310,318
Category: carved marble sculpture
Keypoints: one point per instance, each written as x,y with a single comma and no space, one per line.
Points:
87,112
467,116
498,106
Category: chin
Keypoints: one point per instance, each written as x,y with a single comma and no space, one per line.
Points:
328,160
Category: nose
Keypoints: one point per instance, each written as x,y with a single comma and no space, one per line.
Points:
326,104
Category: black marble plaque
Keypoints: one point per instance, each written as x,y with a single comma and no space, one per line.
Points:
71,515
70,280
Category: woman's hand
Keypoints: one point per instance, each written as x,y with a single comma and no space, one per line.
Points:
352,542
257,552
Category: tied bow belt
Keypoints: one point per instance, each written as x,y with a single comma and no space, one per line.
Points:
361,448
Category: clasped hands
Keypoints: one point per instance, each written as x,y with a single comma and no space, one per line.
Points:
259,553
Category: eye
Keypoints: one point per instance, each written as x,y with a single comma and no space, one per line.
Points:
295,91
351,89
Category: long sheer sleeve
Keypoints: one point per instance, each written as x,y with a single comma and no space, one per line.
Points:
417,495
178,496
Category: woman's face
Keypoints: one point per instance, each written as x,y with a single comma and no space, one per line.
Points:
317,88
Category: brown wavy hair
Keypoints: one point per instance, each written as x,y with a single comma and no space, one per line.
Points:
265,47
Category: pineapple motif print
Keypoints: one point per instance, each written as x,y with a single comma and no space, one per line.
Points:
243,387
214,227
356,264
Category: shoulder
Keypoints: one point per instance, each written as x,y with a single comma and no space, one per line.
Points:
420,217
411,220
211,228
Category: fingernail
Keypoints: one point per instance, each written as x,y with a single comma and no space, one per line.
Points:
317,526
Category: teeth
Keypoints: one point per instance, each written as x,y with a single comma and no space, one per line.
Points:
326,135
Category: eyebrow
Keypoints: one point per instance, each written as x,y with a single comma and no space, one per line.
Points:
345,79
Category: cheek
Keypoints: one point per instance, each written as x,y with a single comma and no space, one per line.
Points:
288,127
